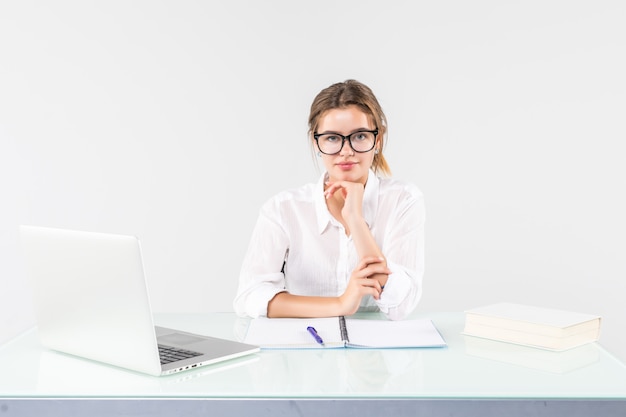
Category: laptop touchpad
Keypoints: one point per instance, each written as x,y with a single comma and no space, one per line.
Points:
179,339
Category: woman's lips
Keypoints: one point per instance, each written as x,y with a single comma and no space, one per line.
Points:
346,166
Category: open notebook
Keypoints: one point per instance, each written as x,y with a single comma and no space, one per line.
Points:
339,332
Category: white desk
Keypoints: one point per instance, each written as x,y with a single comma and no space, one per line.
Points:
470,377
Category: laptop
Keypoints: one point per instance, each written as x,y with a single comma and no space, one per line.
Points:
92,301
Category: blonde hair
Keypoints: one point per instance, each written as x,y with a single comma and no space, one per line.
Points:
352,93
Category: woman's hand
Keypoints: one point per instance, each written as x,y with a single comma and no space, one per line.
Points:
361,284
352,193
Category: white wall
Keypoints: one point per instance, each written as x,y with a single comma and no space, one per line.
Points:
175,120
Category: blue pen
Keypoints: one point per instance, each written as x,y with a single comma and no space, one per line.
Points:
317,337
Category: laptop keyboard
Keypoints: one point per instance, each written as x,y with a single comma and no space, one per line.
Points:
171,354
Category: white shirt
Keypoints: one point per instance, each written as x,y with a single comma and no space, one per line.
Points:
296,228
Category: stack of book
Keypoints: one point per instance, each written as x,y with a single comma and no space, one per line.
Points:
532,326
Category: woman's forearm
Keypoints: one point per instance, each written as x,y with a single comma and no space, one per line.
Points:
365,245
288,305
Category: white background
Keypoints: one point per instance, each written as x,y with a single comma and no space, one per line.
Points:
176,120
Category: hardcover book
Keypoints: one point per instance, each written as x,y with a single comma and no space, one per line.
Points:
532,326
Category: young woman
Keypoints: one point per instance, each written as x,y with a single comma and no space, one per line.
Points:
350,242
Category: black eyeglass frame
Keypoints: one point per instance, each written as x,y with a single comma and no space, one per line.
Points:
348,138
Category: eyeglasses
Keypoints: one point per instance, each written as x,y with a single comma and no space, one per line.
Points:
332,143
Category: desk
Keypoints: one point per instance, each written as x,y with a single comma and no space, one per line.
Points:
470,377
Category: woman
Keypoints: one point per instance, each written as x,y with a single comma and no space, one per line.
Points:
352,241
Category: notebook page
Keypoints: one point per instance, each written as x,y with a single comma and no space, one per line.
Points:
291,333
393,334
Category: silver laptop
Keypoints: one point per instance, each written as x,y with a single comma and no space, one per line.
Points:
92,301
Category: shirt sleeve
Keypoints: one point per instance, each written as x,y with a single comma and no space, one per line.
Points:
261,276
403,248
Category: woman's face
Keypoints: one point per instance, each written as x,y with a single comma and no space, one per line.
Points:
347,165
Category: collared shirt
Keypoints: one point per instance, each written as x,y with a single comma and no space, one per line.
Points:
299,247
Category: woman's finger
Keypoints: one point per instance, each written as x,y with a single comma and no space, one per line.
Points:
333,188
